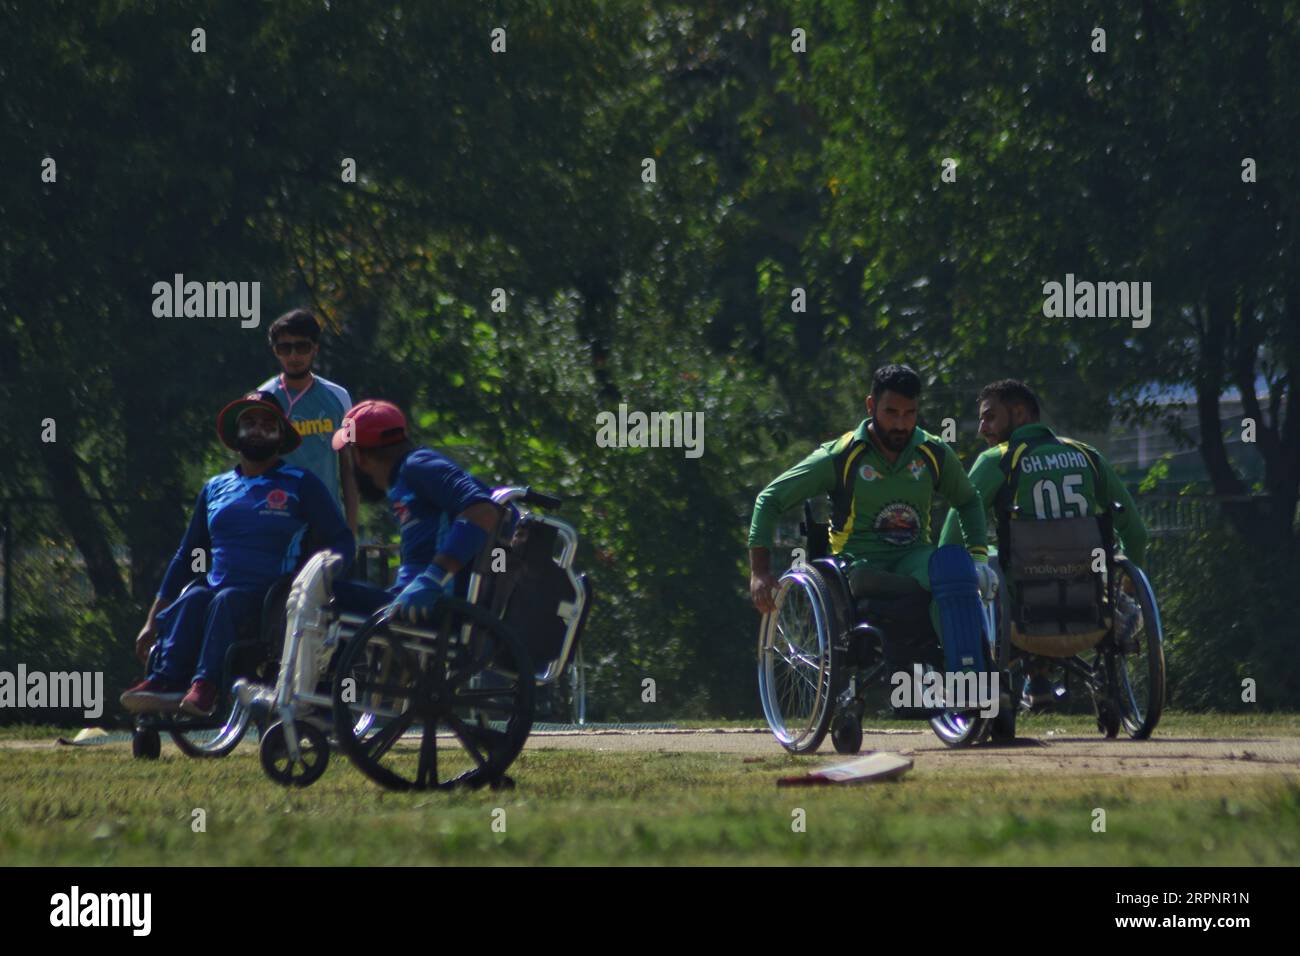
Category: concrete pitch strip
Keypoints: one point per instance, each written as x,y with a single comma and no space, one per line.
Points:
1047,752
1050,752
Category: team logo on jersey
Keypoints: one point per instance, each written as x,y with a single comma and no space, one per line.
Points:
868,473
402,512
898,523
917,468
276,498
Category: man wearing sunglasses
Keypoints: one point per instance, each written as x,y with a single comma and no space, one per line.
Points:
315,405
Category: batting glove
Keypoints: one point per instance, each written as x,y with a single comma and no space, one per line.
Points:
418,599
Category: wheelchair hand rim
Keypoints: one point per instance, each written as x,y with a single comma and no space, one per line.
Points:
807,685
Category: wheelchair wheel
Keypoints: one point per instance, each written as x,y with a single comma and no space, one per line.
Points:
794,661
961,728
846,734
1108,718
146,744
313,754
1136,674
452,705
208,742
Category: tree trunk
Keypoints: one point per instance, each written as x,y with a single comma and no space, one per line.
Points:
82,520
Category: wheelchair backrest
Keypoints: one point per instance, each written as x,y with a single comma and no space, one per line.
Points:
1058,602
536,592
533,590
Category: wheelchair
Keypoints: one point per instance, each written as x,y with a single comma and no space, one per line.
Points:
445,705
254,654
1074,603
830,645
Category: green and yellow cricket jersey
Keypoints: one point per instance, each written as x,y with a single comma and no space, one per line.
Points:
1059,478
883,507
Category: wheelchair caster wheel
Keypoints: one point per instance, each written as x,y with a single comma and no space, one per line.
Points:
313,755
846,735
1107,719
146,745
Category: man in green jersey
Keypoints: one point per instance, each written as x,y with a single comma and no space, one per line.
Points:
1057,477
882,478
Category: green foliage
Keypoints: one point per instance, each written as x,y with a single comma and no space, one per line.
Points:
1227,613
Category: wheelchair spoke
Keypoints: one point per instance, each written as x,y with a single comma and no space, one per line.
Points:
468,734
794,658
802,676
806,627
379,743
426,774
799,689
797,686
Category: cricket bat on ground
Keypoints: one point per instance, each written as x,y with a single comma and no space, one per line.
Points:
869,769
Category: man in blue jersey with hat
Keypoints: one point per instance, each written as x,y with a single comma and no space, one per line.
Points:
250,526
444,513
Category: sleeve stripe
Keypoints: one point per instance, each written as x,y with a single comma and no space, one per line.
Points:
848,465
929,454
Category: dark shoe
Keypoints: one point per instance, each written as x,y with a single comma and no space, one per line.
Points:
201,701
151,695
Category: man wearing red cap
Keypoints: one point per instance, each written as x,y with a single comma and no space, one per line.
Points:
248,528
444,513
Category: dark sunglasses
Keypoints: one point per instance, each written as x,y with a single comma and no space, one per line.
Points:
302,347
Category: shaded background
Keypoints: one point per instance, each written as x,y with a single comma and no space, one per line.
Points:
775,170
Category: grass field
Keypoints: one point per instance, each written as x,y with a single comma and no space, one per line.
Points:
96,805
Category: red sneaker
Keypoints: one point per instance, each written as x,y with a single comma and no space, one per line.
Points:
201,701
151,695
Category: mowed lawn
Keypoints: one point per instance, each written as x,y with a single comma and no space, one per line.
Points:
96,805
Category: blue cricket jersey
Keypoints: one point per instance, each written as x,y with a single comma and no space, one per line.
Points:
253,530
427,491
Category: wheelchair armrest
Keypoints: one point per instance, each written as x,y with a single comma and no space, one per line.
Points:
816,535
274,609
278,591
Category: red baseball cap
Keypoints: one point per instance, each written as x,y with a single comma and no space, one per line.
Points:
371,424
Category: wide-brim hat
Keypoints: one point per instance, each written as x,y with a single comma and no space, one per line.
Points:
228,422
